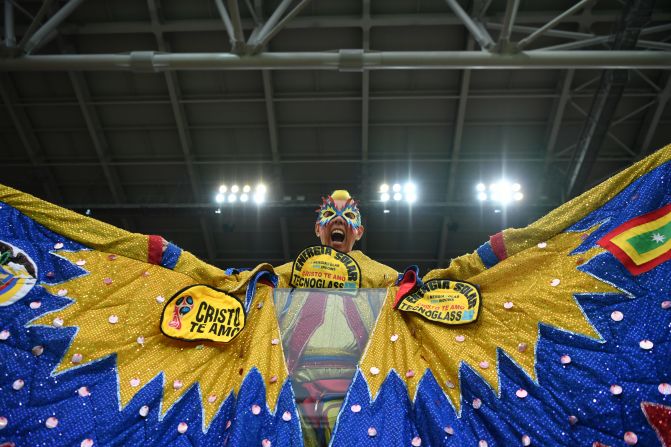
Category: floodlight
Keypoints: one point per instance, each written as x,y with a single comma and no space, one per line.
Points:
518,196
244,197
516,187
261,188
411,197
398,196
384,187
235,188
480,187
246,188
258,197
384,196
482,196
219,198
409,188
223,189
232,197
396,188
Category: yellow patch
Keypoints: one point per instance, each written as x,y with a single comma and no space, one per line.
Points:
143,352
202,313
444,301
322,267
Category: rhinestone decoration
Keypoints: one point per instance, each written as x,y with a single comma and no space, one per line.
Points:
51,422
144,411
182,427
372,432
616,315
646,344
286,416
83,391
630,438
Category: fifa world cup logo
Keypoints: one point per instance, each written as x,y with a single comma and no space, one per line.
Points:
183,306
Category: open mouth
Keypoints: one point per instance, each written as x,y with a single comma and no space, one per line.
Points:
338,236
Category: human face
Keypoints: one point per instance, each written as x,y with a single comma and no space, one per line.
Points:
339,225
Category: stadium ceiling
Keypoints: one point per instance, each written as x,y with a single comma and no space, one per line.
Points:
135,112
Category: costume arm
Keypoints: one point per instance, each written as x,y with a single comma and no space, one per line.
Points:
107,238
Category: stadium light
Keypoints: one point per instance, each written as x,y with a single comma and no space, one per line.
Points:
501,192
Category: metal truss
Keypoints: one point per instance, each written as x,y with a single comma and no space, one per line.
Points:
248,52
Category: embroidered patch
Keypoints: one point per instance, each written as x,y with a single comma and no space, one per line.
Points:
322,267
443,301
202,312
18,274
643,242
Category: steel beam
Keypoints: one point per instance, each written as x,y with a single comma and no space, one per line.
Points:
479,33
503,44
10,37
261,39
182,128
635,15
37,20
603,39
433,95
365,188
41,35
336,21
306,161
149,61
237,27
456,151
30,143
235,43
652,119
97,136
552,23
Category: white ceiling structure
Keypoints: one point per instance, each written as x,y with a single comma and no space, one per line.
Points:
136,111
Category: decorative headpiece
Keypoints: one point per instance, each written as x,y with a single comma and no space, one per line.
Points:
349,211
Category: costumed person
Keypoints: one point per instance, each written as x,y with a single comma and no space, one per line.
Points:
555,334
325,332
